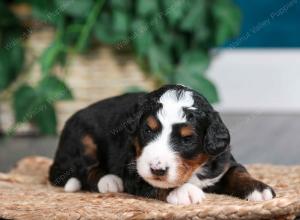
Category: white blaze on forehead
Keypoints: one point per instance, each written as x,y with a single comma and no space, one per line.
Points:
172,110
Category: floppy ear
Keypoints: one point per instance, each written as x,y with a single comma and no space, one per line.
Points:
217,137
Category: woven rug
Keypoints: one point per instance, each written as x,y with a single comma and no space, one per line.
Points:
26,194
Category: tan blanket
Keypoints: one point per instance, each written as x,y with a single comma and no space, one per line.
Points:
26,194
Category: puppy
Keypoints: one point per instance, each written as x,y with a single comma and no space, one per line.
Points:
169,144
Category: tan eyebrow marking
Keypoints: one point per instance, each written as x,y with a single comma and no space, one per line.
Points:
152,123
186,131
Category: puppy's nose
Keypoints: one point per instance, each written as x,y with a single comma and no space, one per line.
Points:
159,172
158,168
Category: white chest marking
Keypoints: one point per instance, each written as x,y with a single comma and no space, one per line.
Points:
205,182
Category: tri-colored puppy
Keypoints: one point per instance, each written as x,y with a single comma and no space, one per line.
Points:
169,144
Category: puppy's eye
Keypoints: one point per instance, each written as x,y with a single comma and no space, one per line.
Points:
190,116
187,139
147,130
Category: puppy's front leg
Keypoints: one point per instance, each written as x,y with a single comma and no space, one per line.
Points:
97,180
185,195
239,183
110,183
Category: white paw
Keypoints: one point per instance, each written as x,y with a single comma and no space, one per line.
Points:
72,185
110,183
266,194
185,195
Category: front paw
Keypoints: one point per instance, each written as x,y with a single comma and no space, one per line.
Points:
185,195
110,183
260,192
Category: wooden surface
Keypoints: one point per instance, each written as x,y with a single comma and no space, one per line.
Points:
26,194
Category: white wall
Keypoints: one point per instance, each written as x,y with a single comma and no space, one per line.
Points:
257,80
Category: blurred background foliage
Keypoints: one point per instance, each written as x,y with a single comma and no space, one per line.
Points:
171,40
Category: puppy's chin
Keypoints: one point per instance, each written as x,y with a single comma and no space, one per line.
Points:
161,183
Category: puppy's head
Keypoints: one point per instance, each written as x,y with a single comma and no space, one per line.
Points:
177,131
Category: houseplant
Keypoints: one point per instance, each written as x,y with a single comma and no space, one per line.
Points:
171,40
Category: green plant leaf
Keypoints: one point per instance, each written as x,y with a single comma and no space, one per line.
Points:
195,16
146,7
194,61
223,33
203,34
227,18
120,4
179,47
16,56
162,34
45,119
53,89
31,105
174,10
191,71
75,8
24,100
199,83
104,31
142,44
7,18
120,22
46,11
160,63
5,75
139,26
50,56
90,22
11,62
142,38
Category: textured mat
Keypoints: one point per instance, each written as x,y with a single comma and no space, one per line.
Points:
26,194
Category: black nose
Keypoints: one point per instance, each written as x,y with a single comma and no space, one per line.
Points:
159,172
